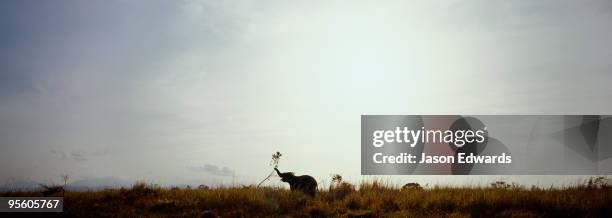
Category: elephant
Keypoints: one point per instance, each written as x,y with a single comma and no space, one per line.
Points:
304,183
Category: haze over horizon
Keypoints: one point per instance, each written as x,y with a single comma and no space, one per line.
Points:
188,92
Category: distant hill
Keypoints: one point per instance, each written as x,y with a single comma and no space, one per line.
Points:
19,186
98,183
80,185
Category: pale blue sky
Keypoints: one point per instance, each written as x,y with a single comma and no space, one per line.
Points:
168,90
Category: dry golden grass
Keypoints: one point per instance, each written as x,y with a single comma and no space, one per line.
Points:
369,199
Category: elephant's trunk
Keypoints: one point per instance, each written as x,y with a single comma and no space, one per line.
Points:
278,172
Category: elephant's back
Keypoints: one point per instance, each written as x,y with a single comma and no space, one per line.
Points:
308,180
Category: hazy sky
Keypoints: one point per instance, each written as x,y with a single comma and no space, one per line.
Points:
198,91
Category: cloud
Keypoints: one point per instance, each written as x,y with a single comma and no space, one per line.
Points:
62,155
213,170
74,155
77,156
510,15
115,79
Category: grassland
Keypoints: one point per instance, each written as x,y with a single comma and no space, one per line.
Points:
369,199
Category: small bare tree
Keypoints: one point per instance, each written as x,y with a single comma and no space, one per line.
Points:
275,158
65,178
